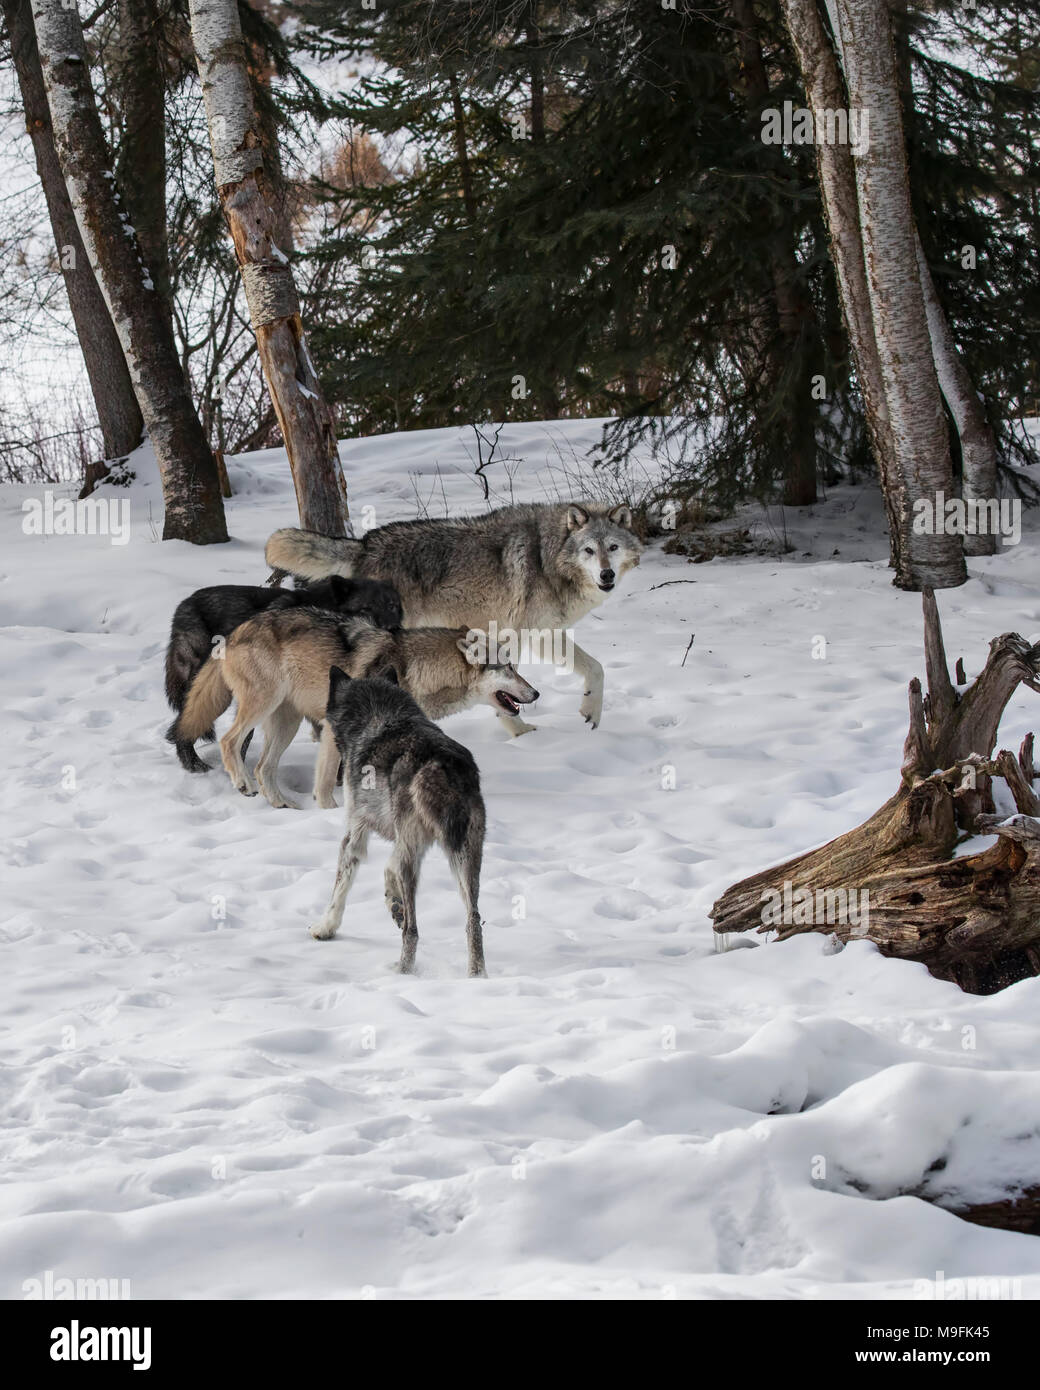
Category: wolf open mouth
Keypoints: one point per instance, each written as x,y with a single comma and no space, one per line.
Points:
508,702
606,588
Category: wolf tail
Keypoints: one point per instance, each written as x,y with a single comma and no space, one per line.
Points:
187,652
309,555
208,697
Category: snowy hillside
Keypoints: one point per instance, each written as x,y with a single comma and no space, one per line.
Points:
199,1098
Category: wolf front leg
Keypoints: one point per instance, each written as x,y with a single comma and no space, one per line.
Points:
326,768
591,707
351,852
514,725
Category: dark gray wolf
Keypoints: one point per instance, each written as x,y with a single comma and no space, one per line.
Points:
217,611
412,784
529,569
276,667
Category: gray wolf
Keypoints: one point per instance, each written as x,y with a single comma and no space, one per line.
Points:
217,611
527,568
412,784
276,667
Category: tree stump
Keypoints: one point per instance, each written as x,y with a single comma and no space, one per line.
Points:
893,880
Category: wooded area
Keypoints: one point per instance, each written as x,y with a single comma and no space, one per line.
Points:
772,313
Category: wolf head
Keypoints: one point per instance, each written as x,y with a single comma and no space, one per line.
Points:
499,683
599,549
353,704
362,598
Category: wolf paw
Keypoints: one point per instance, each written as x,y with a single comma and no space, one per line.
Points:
591,709
323,930
517,729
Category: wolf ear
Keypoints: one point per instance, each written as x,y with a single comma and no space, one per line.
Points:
621,516
576,517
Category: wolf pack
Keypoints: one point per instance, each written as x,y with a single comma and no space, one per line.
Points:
379,638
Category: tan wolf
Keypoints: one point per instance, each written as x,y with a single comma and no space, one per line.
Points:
276,667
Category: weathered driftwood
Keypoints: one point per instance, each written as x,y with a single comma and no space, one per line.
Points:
975,919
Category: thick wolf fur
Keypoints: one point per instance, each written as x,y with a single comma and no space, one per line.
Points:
530,567
409,782
276,666
216,612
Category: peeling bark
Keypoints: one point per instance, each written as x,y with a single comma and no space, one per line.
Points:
191,489
919,435
978,446
249,205
825,92
118,413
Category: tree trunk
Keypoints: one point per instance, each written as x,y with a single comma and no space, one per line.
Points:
978,446
919,434
118,413
823,86
789,325
534,39
236,138
141,164
462,149
191,488
974,919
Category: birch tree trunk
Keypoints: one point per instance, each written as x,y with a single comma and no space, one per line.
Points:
978,446
248,202
191,488
821,78
118,413
919,435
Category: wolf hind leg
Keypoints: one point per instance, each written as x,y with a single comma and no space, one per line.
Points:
279,731
231,748
465,865
352,851
401,879
189,759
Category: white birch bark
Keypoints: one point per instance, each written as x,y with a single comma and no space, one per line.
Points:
250,209
191,487
919,435
821,78
978,446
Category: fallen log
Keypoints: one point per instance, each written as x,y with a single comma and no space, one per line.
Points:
894,880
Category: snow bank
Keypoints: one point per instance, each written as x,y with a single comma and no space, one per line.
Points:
199,1098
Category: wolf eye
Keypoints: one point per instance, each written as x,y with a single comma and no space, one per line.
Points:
613,547
589,550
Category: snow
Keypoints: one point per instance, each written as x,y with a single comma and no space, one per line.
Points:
200,1099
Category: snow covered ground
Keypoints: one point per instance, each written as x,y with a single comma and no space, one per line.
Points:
198,1098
